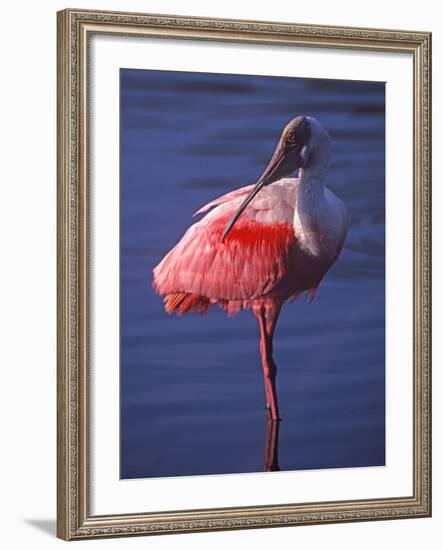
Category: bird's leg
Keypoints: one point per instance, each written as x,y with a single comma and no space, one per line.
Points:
269,367
271,323
263,354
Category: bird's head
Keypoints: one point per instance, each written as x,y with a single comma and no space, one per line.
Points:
302,139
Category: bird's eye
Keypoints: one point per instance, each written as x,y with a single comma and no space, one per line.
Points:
291,137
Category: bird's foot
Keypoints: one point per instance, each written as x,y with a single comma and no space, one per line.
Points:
272,415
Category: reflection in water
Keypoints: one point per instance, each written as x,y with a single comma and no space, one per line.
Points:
271,445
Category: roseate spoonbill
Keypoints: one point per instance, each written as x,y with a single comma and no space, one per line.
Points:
263,244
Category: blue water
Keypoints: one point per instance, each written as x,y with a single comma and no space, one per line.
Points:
192,398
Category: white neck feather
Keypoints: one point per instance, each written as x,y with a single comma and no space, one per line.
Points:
313,174
315,221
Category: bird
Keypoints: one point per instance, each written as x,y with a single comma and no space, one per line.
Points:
262,245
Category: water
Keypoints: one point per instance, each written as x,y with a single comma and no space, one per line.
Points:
192,397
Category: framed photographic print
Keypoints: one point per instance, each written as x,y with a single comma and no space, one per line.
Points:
243,274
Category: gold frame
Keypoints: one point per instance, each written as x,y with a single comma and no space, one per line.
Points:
74,520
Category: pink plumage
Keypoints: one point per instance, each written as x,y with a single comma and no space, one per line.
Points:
239,272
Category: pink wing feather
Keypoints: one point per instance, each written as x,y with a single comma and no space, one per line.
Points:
201,270
225,198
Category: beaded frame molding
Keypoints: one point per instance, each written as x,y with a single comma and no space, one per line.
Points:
74,518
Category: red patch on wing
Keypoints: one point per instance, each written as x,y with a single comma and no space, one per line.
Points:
247,233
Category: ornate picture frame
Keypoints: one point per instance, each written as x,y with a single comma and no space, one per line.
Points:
75,518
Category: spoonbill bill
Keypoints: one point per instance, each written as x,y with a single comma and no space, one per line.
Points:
263,244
